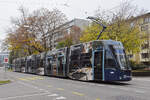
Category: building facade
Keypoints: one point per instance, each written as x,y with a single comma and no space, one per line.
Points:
66,29
143,22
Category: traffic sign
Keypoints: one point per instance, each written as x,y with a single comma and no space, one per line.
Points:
6,60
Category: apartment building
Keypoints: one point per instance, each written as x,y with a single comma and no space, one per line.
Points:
143,22
60,32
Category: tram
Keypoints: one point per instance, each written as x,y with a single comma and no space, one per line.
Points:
100,60
103,60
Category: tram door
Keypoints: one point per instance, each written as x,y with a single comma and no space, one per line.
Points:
54,66
48,69
27,66
60,66
98,64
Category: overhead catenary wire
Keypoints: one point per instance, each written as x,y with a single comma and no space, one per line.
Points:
96,20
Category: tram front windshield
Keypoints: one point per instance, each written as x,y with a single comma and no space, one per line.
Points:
120,56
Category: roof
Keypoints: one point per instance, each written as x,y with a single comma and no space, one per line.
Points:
67,23
141,16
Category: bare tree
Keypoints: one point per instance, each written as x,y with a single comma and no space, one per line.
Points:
124,11
30,31
46,23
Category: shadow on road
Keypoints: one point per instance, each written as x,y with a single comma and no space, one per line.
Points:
119,83
112,83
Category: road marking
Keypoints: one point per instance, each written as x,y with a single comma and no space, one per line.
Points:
41,89
100,85
23,79
112,87
60,98
60,89
36,87
53,95
139,91
47,91
98,99
41,78
49,86
38,77
131,89
126,89
31,78
77,93
23,96
29,85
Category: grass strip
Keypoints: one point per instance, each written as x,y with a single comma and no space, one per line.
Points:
4,82
141,71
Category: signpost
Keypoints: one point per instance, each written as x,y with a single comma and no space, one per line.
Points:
5,63
6,60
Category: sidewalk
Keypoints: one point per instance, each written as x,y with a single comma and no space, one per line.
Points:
3,74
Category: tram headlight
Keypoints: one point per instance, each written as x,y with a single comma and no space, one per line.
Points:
120,77
112,72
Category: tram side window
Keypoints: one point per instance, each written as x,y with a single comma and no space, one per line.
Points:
49,61
85,60
109,60
97,59
41,63
33,63
29,63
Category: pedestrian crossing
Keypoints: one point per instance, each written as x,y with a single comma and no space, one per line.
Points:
31,78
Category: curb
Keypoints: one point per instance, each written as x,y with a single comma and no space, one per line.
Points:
141,74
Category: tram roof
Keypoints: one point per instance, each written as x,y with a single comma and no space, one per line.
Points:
110,42
107,42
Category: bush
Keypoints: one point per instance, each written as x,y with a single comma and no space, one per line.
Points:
137,66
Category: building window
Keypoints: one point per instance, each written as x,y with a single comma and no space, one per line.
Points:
144,55
146,20
130,56
132,24
144,27
145,46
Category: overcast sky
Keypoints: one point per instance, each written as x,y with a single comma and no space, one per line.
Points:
72,8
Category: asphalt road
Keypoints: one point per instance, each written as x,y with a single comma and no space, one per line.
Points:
34,87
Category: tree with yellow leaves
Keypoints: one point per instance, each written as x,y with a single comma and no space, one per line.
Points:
118,28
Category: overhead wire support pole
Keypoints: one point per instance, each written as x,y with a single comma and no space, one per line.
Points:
96,20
